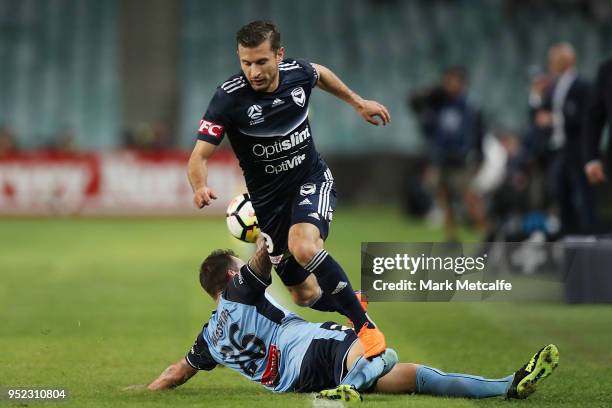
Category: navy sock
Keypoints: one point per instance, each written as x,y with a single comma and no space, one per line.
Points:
435,382
326,303
334,283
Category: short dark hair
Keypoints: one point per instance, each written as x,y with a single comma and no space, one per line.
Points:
256,32
213,271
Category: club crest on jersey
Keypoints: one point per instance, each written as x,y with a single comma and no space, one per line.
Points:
308,189
299,96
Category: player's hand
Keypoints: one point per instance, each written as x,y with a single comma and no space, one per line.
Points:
543,119
595,172
203,197
374,113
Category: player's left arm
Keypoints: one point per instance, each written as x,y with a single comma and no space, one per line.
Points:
260,261
173,376
372,111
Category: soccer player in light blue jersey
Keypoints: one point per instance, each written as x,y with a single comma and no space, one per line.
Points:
251,333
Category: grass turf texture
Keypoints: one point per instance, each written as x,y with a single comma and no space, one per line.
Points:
94,305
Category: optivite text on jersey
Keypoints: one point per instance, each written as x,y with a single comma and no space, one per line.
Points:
285,165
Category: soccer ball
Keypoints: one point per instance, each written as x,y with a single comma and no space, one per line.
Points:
241,219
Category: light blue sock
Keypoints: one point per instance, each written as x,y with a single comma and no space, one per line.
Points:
365,372
435,382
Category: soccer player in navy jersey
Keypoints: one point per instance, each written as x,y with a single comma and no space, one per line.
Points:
263,110
252,334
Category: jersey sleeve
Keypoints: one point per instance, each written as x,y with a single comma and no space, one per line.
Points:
311,72
214,123
246,287
199,356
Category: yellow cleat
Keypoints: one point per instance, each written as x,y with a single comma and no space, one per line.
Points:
527,378
344,393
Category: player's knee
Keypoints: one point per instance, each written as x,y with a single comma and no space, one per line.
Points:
305,296
303,250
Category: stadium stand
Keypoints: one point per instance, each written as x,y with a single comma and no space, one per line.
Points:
384,49
58,71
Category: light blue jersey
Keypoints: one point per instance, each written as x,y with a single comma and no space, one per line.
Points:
252,334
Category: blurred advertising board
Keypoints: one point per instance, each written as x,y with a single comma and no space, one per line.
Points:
110,183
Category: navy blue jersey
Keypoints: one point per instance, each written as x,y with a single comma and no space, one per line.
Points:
269,131
252,334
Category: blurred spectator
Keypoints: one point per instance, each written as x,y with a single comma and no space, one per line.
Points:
536,139
8,141
562,113
599,111
148,136
453,127
517,206
65,141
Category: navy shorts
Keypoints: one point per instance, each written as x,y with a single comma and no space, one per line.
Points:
324,364
313,203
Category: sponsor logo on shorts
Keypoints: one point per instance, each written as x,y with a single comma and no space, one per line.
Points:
314,215
299,96
308,189
305,202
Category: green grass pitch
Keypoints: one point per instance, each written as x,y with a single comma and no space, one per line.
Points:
95,305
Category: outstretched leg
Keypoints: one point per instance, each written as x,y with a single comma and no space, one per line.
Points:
306,246
420,379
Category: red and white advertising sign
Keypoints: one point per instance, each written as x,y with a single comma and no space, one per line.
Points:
118,183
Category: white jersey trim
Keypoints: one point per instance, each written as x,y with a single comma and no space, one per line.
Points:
301,120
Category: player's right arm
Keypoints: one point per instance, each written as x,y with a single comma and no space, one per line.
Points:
173,376
260,261
210,134
197,170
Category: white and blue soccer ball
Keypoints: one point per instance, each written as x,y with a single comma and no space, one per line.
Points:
241,219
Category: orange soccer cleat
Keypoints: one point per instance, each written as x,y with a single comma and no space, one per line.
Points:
372,340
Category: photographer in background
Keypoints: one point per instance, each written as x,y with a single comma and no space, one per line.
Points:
453,128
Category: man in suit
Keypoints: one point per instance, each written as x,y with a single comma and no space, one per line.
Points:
599,111
563,112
